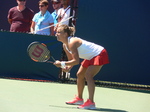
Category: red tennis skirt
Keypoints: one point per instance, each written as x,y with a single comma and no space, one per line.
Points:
98,60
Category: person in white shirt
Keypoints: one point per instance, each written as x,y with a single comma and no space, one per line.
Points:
94,55
64,12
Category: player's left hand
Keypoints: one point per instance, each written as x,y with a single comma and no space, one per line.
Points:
57,63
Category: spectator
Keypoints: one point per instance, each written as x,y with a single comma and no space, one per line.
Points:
56,5
64,12
20,17
42,19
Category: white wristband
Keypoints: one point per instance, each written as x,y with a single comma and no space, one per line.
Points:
63,65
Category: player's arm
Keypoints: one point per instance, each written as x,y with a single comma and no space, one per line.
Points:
69,56
73,45
73,57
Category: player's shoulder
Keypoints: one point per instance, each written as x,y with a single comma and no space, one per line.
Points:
75,40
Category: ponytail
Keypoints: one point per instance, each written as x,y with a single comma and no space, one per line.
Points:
69,30
72,31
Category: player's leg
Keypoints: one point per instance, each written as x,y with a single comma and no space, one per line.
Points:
81,80
90,73
78,100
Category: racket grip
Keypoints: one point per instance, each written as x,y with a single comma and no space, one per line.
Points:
50,62
53,58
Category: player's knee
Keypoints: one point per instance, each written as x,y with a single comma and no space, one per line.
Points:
88,77
80,76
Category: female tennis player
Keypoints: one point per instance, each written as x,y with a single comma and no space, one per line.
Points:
95,56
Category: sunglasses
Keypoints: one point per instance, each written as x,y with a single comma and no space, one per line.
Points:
22,0
41,5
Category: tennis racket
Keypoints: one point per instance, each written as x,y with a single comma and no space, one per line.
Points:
39,52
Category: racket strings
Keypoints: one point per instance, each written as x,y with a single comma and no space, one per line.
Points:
44,57
42,52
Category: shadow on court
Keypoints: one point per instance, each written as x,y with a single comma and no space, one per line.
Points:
109,110
97,109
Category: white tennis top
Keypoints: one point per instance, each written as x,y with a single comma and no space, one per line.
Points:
87,50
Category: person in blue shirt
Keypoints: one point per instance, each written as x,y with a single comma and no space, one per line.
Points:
56,6
43,19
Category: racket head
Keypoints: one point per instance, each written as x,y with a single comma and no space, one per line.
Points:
38,52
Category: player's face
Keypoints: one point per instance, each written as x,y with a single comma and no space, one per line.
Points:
60,34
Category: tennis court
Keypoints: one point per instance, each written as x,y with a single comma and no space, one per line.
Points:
30,96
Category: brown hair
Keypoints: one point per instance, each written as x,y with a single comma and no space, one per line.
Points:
67,29
44,2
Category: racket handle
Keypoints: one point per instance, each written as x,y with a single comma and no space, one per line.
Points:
50,62
53,58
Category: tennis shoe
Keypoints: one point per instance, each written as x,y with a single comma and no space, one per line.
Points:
87,105
75,101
